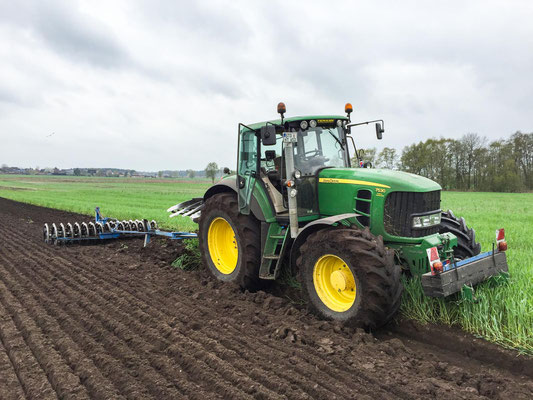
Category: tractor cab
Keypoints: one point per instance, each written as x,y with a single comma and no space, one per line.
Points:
285,157
275,154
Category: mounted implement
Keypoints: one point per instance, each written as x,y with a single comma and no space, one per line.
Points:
106,229
347,233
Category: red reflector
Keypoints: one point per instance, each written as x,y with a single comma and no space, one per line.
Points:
500,234
437,266
502,246
434,254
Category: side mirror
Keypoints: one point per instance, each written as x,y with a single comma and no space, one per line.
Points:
379,131
268,135
226,170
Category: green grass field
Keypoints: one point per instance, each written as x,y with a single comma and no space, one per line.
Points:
503,314
122,198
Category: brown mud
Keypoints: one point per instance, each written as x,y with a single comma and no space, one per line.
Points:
116,321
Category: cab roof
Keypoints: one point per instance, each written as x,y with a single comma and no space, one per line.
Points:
258,125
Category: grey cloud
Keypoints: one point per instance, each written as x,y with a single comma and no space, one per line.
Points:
79,39
220,23
67,32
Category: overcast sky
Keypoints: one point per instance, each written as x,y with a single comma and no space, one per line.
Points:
162,84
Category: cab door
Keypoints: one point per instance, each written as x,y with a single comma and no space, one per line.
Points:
247,166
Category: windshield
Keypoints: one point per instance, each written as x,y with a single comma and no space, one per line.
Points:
317,148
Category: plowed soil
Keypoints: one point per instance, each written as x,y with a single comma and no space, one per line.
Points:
116,321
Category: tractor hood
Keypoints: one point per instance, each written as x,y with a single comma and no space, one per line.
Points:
378,178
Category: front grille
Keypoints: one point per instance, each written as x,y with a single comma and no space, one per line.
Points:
398,209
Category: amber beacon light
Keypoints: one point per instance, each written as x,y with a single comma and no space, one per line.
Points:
348,109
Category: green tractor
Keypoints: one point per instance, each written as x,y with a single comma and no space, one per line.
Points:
348,233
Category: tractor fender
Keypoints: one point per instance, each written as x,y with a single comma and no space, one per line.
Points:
230,185
313,227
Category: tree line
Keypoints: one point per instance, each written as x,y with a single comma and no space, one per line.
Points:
470,163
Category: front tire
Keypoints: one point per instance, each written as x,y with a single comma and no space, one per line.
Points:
230,242
466,237
348,275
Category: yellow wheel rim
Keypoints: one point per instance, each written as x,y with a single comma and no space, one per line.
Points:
334,283
222,245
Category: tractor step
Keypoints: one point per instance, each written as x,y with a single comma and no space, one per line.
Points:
273,251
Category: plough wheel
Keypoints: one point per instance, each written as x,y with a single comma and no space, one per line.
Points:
140,225
92,229
70,231
77,230
46,233
53,234
61,233
153,224
84,229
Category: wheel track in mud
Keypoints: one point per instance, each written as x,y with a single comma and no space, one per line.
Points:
71,328
120,350
153,338
284,353
280,350
64,382
29,373
10,383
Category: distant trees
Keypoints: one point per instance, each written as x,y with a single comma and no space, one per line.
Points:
211,171
367,156
473,163
77,171
191,173
387,158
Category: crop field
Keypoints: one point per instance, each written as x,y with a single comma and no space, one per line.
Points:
502,314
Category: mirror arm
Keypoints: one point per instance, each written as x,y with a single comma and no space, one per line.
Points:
367,122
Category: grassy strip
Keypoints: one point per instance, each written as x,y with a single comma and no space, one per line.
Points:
191,258
503,314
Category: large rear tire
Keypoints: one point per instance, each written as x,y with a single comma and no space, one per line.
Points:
348,275
466,237
230,242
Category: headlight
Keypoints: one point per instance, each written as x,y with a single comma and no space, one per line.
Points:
312,123
423,221
303,125
339,123
297,174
